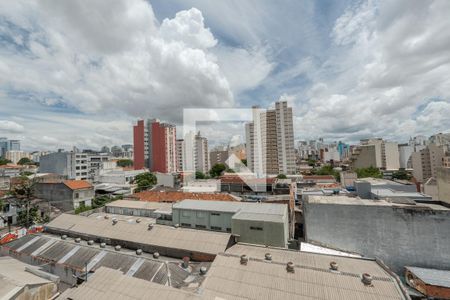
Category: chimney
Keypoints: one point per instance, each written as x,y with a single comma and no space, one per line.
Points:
244,259
366,279
290,267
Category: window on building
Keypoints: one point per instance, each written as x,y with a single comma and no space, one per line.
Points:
200,226
256,228
228,229
186,225
200,214
216,228
215,214
77,195
185,214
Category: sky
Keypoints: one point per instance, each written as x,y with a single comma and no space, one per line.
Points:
79,73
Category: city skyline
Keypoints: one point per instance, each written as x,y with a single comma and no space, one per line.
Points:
352,70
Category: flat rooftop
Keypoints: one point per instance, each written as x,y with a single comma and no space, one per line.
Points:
167,237
136,204
345,200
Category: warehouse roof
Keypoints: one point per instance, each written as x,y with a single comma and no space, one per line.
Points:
112,284
14,277
432,276
345,200
168,237
267,208
134,204
312,277
68,254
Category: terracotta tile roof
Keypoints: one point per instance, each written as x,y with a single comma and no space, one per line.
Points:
77,184
318,177
238,180
3,193
160,196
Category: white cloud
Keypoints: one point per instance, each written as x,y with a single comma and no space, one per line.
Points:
10,127
387,67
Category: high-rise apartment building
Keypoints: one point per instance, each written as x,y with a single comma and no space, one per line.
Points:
73,165
193,154
155,146
426,162
16,155
386,154
201,154
8,145
270,141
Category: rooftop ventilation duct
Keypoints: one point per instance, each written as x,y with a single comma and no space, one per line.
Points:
77,240
290,267
366,279
64,237
334,266
203,270
114,221
139,251
268,256
90,242
102,245
244,259
155,255
106,217
117,247
150,226
185,263
138,220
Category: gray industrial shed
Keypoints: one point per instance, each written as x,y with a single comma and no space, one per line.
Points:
256,223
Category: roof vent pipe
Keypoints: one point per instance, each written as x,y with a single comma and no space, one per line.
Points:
290,267
138,220
114,221
334,266
366,279
244,259
185,263
102,245
139,251
203,270
268,256
117,247
77,240
106,217
150,226
64,237
90,242
155,255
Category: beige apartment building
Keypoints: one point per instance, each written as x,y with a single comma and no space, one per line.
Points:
270,141
376,153
426,161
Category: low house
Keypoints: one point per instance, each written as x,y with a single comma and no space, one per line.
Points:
66,195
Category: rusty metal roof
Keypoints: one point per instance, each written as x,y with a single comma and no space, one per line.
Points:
432,276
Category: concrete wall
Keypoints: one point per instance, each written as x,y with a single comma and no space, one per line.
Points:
260,232
398,236
62,197
59,163
208,219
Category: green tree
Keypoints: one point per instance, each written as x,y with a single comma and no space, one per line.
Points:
4,161
23,194
200,175
145,181
281,176
327,170
244,161
369,172
401,174
311,162
125,163
25,161
217,170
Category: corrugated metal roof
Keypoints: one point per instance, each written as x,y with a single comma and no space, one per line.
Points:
313,260
232,207
108,284
229,279
207,242
432,276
